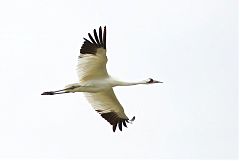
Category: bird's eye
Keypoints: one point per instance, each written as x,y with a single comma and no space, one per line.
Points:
150,80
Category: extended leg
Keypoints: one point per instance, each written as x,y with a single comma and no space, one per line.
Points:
58,91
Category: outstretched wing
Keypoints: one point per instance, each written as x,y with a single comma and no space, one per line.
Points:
92,60
92,66
108,106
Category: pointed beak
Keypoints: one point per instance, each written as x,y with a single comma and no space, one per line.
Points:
155,81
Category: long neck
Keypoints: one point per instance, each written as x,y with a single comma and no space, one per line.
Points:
121,83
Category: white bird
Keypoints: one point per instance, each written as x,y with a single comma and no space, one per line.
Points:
95,82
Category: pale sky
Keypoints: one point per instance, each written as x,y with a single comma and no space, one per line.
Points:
189,45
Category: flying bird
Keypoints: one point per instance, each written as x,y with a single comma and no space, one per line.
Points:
95,82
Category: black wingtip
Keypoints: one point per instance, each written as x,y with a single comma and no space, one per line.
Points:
114,119
130,121
133,118
114,127
96,40
124,123
120,125
104,37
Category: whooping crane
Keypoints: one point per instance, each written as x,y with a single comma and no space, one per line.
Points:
95,82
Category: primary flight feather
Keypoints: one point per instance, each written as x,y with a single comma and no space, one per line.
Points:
95,82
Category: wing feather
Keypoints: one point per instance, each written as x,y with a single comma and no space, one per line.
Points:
108,106
104,37
100,36
91,38
94,43
93,59
96,38
92,66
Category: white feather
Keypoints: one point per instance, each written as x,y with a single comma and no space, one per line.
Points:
92,72
95,82
92,67
105,102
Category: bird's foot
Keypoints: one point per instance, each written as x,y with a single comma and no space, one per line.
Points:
48,93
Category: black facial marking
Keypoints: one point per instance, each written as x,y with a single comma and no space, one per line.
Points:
150,80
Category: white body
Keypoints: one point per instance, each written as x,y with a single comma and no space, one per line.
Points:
95,82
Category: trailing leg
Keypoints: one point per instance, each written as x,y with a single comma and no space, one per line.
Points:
66,90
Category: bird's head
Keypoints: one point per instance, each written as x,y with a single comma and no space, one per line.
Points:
151,81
